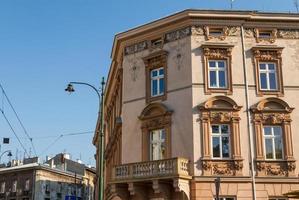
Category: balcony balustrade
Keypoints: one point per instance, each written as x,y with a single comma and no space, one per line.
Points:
162,169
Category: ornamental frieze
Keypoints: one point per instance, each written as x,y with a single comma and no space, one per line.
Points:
267,54
135,48
288,34
222,167
273,118
276,168
217,53
178,34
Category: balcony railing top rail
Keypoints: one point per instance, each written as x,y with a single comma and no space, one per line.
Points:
173,167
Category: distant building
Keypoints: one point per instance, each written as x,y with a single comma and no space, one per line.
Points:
34,181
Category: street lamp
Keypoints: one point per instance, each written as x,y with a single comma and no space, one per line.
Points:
70,88
9,154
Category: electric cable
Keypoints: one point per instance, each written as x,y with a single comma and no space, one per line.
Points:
19,120
12,129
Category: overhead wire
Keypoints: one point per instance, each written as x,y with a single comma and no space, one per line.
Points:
17,116
12,129
63,135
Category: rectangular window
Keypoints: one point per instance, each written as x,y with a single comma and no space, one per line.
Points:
281,198
157,82
273,142
2,189
27,184
268,76
14,186
157,144
226,198
220,141
217,74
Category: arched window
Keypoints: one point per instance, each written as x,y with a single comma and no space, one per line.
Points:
221,137
274,145
156,128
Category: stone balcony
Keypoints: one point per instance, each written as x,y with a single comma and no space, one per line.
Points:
164,177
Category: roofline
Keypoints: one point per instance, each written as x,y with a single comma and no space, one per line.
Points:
245,15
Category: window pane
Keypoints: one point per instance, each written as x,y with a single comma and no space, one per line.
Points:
154,73
161,86
161,71
222,80
215,129
154,87
221,64
262,66
277,130
216,147
225,147
267,130
271,66
278,148
224,129
263,80
213,82
212,64
269,149
272,80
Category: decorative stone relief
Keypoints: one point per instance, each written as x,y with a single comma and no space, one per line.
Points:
134,68
288,34
248,33
218,52
234,31
267,54
276,168
136,48
197,30
273,118
178,34
222,167
179,54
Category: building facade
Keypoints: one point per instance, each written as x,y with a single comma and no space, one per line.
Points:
34,181
199,95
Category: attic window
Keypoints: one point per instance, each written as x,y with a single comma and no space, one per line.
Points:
158,42
216,32
265,34
268,35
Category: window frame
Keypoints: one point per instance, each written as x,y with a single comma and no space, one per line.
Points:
267,71
217,53
268,55
157,78
154,61
161,131
217,69
220,135
272,137
2,187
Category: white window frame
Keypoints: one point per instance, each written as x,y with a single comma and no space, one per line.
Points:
160,131
220,135
158,78
272,137
14,186
217,69
2,189
267,71
27,185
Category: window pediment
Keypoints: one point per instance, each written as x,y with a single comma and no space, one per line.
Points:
272,105
154,110
220,103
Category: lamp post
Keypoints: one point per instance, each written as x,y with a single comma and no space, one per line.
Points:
9,154
101,147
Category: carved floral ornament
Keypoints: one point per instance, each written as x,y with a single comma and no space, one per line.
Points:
270,54
273,111
221,109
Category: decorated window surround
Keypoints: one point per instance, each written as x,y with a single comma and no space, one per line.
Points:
273,112
221,110
155,116
262,54
259,32
218,52
209,30
155,60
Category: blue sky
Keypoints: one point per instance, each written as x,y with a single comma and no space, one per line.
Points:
44,44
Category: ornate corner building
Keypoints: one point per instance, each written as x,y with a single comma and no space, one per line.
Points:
199,95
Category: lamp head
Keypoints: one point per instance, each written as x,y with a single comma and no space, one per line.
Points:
69,88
